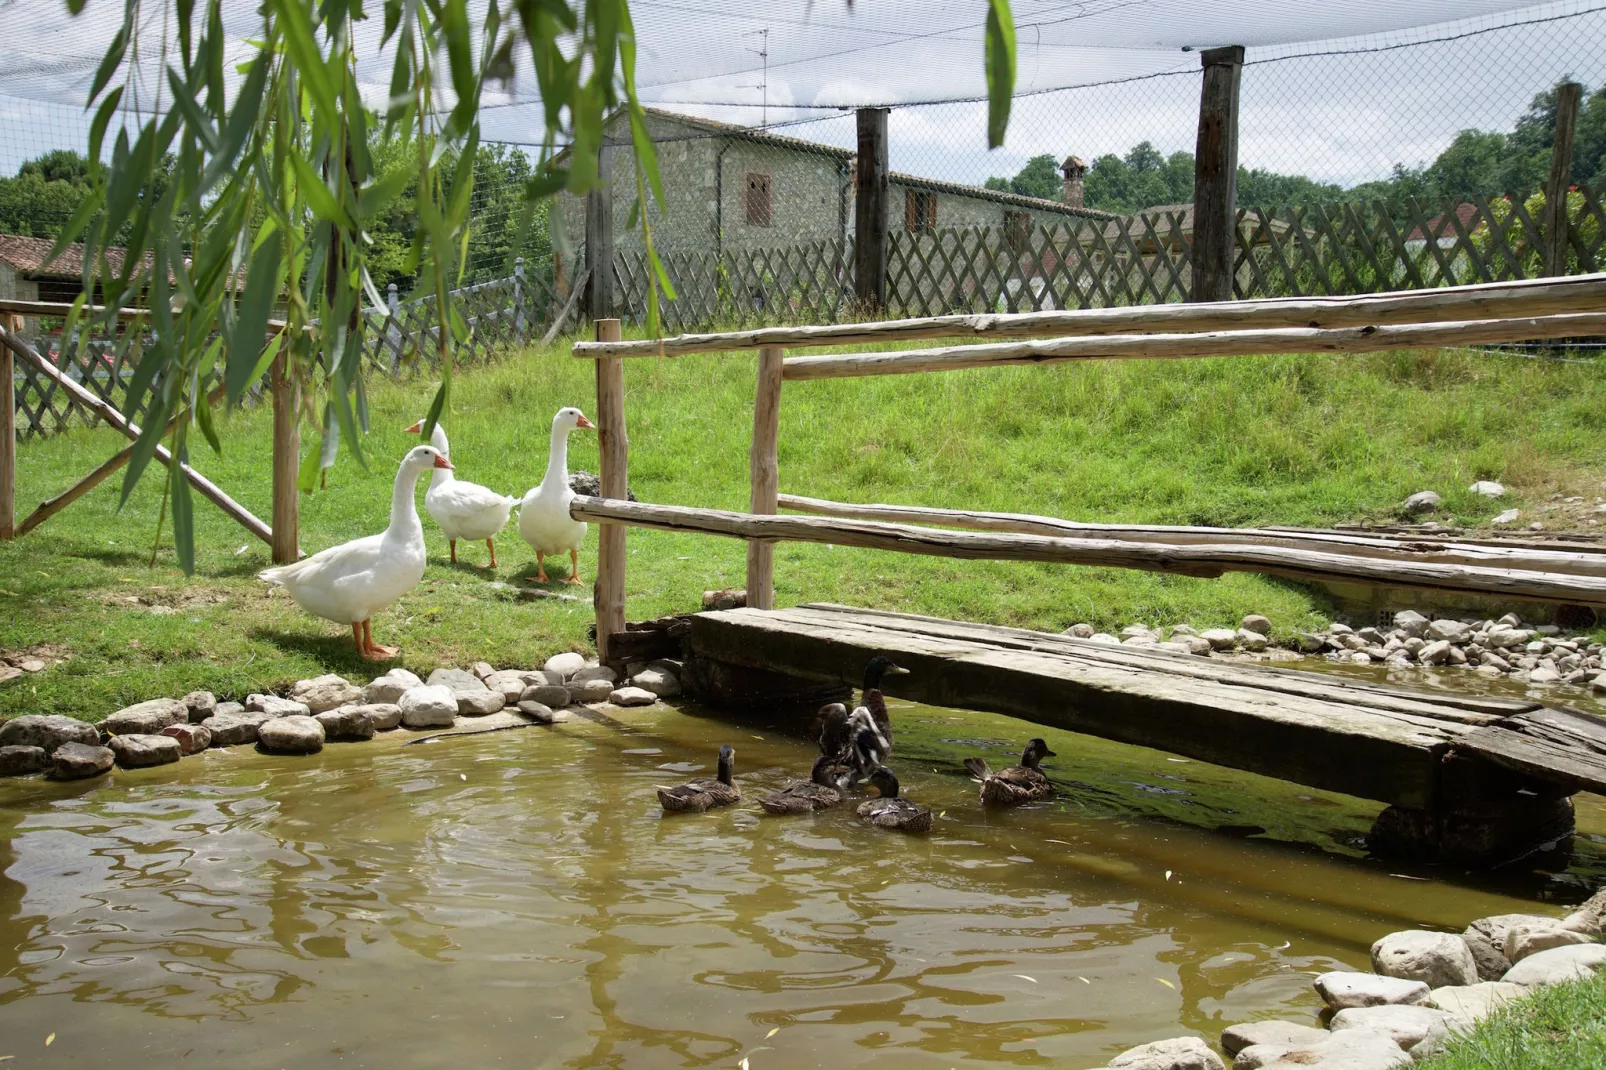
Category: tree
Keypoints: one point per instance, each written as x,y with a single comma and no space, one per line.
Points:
1040,178
1142,179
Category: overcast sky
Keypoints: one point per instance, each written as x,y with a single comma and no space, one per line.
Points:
1397,92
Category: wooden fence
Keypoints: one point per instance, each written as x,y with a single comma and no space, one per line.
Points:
810,282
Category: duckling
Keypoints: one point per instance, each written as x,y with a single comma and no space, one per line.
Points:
805,797
1017,784
890,811
703,794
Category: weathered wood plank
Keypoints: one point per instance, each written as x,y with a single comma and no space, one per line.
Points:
1215,173
870,210
764,474
1556,224
1559,745
1327,745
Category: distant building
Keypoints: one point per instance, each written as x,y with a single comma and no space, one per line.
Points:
1416,240
25,276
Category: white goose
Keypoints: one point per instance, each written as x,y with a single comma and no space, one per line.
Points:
349,583
463,510
544,519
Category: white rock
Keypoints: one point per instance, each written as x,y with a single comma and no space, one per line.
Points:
1183,629
1543,674
1436,959
542,713
1252,641
594,672
296,734
1132,631
1557,965
136,750
565,664
1342,990
590,691
1487,488
510,682
347,724
47,732
1103,637
461,681
479,703
1436,653
1236,1038
324,693
384,716
1451,630
1359,1049
201,705
1530,938
1406,1026
663,684
1180,1053
632,696
1196,645
1080,631
274,706
146,718
1413,624
428,706
482,669
389,687
551,695
1220,638
1254,622
1473,1002
1508,517
1590,917
1423,501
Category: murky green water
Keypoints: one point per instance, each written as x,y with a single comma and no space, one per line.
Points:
516,899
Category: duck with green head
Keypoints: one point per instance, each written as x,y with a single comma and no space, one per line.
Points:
696,796
873,700
832,774
1018,783
890,810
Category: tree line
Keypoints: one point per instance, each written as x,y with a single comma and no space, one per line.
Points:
1477,163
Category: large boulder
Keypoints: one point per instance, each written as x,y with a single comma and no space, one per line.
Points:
78,761
20,761
1451,631
458,680
1406,1026
554,695
200,704
235,729
1357,1049
1530,938
479,703
136,751
591,691
1341,990
1219,638
1423,501
1557,965
428,706
47,732
324,693
348,724
1435,959
274,706
1411,623
1473,1002
389,687
632,696
147,718
382,715
659,682
1179,1053
1486,939
1236,1038
594,672
1590,917
565,664
296,734
192,738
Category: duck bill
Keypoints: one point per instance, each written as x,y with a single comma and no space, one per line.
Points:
897,670
586,423
418,426
442,462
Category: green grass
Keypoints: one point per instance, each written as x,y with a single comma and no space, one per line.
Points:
1559,1027
1308,440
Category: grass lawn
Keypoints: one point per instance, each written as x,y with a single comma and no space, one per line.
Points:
1561,1027
1285,440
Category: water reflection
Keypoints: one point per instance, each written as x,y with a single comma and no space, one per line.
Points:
518,898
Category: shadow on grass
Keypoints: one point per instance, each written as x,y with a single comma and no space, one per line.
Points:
334,649
556,573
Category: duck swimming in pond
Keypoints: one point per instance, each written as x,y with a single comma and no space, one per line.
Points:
696,796
890,811
852,745
873,700
1018,783
832,775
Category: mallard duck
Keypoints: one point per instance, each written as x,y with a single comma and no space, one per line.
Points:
1017,784
880,666
544,520
461,509
703,794
852,740
890,811
807,796
351,582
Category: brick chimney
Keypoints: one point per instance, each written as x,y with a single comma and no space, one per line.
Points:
1075,171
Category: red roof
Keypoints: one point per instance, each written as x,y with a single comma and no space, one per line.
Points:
1441,227
27,255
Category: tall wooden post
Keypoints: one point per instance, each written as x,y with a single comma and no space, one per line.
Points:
286,462
1215,175
1555,227
869,215
599,241
8,441
613,450
765,473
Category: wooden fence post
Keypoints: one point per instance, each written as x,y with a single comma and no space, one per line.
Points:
1556,227
8,441
869,215
764,467
286,519
1215,175
613,451
599,241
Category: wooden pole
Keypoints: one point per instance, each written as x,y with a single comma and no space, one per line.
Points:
568,307
613,449
870,212
1483,301
8,442
286,541
599,241
1205,561
1556,228
1215,175
765,474
207,489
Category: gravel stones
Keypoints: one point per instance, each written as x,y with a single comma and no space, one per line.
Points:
20,761
428,706
660,682
1343,990
565,664
348,724
137,750
1236,1038
79,761
1196,645
553,695
389,687
192,738
296,734
146,718
1253,642
47,732
235,729
274,706
1423,501
1557,965
324,693
1180,1053
632,696
1472,1002
201,704
1436,959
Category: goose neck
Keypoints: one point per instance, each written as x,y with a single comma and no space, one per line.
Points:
557,462
403,509
439,477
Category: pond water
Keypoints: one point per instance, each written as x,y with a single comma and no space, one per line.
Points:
517,899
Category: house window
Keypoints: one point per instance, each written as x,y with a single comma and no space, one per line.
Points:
919,211
758,200
1017,229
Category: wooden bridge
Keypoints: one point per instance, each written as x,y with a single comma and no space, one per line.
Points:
1464,779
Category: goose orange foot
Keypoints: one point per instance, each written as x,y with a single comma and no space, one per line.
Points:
574,568
372,650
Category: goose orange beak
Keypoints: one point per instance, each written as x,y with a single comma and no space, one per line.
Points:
442,462
418,425
586,423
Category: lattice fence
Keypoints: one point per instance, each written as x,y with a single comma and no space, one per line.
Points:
811,282
100,365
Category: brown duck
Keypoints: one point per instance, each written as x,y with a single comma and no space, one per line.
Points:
891,811
696,796
1017,784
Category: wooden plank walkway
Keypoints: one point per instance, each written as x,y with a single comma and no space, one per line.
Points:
1328,732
